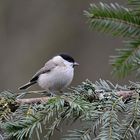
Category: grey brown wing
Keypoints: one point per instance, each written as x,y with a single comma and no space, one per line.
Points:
49,66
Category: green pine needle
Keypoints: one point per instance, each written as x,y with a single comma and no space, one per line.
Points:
114,19
124,62
123,22
99,117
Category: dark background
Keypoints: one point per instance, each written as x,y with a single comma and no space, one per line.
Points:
32,31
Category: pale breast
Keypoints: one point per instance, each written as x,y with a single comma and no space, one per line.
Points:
57,79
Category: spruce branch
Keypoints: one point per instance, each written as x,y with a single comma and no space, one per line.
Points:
123,22
96,105
136,6
125,62
124,94
129,125
115,19
33,100
78,135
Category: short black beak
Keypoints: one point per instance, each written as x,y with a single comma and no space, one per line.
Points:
75,64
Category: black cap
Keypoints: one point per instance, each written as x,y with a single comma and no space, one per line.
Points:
67,57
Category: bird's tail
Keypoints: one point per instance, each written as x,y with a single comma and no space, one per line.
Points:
27,85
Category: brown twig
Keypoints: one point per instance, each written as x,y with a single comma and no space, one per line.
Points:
32,100
124,94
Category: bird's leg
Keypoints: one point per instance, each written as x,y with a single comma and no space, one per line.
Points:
61,91
45,93
52,94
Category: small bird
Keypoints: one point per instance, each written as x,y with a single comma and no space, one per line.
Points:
56,74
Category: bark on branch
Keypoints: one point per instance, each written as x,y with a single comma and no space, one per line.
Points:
32,100
124,94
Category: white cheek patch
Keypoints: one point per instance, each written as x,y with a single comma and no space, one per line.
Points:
68,64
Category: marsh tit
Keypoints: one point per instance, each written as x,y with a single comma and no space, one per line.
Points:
55,75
